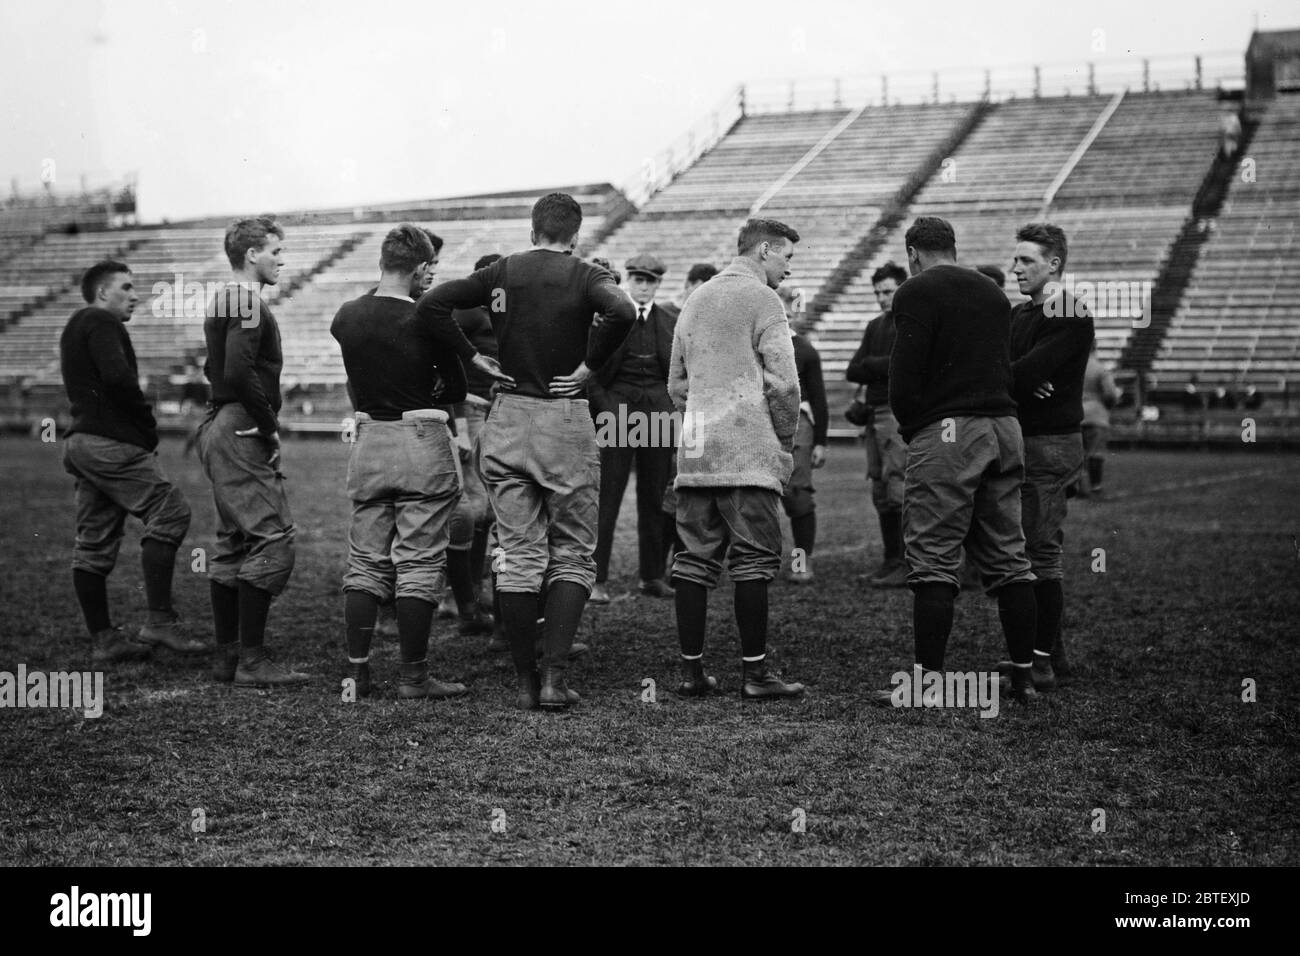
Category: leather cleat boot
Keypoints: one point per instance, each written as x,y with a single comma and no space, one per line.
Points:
386,624
1042,674
360,674
762,683
1019,686
1060,663
695,683
225,661
414,682
475,623
530,686
171,634
656,589
258,669
530,689
113,646
599,594
554,693
893,575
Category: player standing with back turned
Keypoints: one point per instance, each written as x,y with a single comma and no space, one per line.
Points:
537,451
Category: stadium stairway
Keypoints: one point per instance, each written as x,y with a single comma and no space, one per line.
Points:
1121,204
1237,325
1175,275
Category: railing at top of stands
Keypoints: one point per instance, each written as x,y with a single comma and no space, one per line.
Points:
1206,71
658,171
55,188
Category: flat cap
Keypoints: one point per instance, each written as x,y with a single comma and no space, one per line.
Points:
646,265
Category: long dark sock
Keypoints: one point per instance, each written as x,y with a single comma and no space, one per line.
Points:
499,627
564,603
92,595
254,609
461,579
225,613
1018,612
932,623
1050,600
804,531
158,561
751,617
1095,466
360,611
891,533
477,555
692,612
414,618
519,617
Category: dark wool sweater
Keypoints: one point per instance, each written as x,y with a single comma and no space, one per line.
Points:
870,363
1050,349
394,362
477,326
951,354
102,380
541,304
244,356
811,387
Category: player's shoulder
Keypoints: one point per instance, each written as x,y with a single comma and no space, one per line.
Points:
92,315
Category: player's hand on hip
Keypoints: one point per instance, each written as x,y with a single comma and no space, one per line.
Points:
491,366
273,439
818,455
1045,390
567,386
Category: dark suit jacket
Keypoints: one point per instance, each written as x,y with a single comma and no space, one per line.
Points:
663,319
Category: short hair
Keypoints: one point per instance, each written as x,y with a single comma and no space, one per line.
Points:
755,231
608,267
557,217
245,234
96,274
994,273
702,272
931,234
405,249
435,239
890,270
487,260
1049,237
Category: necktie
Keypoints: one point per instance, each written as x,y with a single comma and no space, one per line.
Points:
640,314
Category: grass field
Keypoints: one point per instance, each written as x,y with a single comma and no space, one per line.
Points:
1201,590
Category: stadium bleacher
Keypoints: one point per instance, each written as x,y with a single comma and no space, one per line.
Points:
1119,173
1239,323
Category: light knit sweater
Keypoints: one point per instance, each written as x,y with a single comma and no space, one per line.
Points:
733,377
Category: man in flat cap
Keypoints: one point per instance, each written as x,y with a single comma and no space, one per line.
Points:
634,427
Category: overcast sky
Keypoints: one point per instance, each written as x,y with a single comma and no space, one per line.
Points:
228,106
